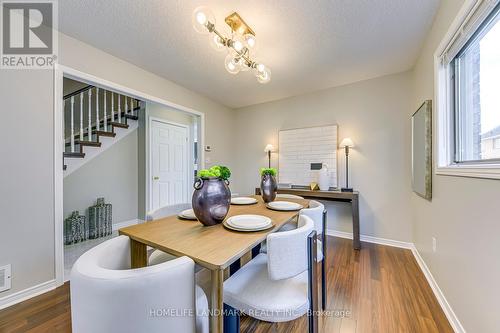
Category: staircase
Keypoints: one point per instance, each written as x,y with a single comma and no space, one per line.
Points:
94,119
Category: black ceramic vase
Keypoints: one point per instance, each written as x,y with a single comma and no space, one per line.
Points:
211,200
268,188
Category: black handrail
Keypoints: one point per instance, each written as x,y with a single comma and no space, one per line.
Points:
78,91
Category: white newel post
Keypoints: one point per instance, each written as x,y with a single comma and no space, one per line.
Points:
105,113
89,130
97,109
119,109
112,106
72,138
126,105
81,116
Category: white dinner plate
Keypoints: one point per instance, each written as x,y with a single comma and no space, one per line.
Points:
187,214
284,205
243,201
247,230
249,222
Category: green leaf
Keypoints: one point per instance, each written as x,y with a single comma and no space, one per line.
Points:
268,171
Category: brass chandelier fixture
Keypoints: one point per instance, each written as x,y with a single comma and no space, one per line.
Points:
240,45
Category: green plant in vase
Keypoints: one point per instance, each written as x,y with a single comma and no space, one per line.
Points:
217,171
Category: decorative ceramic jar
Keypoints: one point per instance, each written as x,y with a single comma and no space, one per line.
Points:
211,200
268,187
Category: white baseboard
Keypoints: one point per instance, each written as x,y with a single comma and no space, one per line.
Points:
448,311
371,239
124,224
27,293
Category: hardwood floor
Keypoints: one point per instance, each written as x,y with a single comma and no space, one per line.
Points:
377,289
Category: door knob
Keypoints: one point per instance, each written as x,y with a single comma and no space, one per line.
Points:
156,178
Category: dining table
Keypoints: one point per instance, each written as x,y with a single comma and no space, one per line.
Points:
212,247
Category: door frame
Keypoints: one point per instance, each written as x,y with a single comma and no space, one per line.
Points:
61,71
149,157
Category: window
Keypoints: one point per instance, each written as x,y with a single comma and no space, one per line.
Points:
475,93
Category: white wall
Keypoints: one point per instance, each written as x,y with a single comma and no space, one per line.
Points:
26,177
374,114
27,163
463,216
112,175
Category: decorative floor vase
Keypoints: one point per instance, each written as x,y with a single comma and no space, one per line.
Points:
211,200
100,219
268,188
75,229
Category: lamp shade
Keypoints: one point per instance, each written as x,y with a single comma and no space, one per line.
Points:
347,142
269,148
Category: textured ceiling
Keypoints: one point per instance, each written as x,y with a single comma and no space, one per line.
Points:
309,45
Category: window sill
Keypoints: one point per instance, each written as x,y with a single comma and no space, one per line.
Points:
490,171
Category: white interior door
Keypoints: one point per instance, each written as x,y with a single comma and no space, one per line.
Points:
169,164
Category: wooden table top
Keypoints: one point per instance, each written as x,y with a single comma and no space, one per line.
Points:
213,247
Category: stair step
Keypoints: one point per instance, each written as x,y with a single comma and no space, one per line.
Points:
74,155
89,143
130,116
104,133
121,125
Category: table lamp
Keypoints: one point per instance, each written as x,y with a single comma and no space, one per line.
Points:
269,149
346,144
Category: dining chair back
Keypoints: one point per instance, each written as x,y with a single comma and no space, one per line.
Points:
108,296
287,250
278,286
315,212
167,211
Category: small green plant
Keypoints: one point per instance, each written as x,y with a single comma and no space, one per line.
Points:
268,171
218,171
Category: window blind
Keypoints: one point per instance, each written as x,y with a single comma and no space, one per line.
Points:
481,10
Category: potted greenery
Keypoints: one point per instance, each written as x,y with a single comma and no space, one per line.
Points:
268,185
212,197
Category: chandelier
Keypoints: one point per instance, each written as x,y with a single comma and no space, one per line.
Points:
240,45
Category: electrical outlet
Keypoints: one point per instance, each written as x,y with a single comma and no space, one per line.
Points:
434,244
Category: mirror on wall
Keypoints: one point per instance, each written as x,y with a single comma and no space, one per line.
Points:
421,122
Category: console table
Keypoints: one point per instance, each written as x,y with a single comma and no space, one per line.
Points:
352,197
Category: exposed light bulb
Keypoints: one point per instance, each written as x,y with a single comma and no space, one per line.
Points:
232,64
250,41
202,16
216,42
264,74
238,45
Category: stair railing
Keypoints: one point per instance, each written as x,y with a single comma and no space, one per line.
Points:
94,118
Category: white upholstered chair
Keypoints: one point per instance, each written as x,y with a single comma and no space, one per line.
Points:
107,296
288,196
317,212
276,286
157,256
167,211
